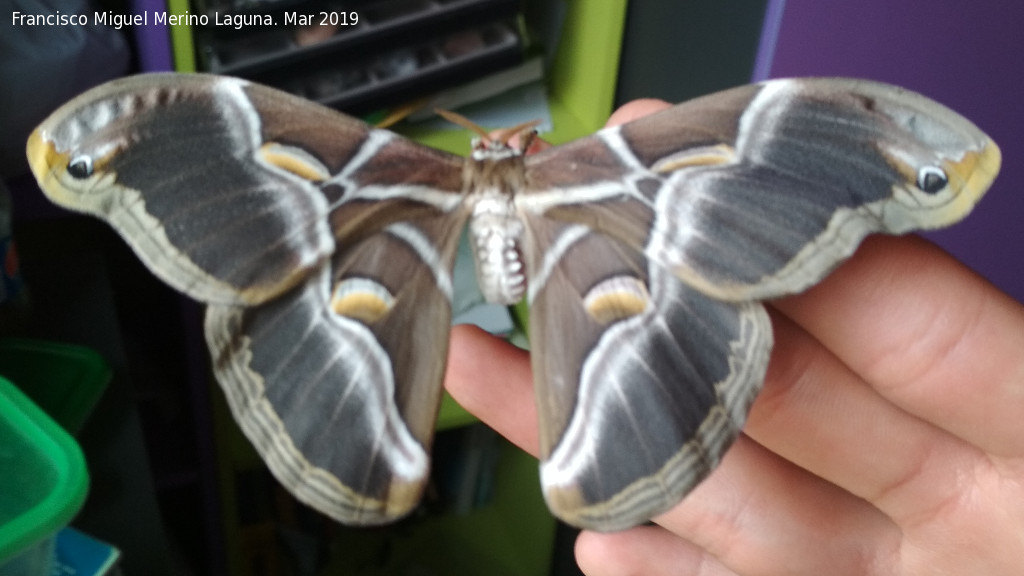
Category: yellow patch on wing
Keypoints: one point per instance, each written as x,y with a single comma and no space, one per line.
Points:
294,160
967,181
50,169
43,156
694,157
616,299
361,299
976,171
402,498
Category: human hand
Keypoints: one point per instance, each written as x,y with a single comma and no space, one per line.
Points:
888,439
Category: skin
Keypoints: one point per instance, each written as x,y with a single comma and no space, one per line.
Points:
888,440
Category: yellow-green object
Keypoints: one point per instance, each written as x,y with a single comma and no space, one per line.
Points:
182,45
43,482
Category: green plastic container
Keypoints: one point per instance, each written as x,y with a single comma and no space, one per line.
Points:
43,482
64,380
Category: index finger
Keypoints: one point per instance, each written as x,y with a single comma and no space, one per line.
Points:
491,379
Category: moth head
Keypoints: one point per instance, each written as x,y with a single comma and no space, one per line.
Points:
494,146
490,149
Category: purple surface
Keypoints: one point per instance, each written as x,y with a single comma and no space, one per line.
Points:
773,13
152,41
966,55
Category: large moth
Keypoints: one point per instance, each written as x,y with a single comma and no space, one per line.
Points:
323,249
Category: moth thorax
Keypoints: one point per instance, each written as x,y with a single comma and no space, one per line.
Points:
495,232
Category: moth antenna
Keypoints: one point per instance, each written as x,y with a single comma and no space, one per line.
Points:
460,120
400,113
525,128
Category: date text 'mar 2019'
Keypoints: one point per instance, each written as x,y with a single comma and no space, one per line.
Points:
331,18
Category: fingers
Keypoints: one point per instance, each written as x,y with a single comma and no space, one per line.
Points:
491,378
636,109
755,512
928,335
930,499
646,550
758,512
818,414
903,403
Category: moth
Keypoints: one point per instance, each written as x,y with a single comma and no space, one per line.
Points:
324,248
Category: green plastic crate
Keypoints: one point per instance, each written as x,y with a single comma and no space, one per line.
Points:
43,483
